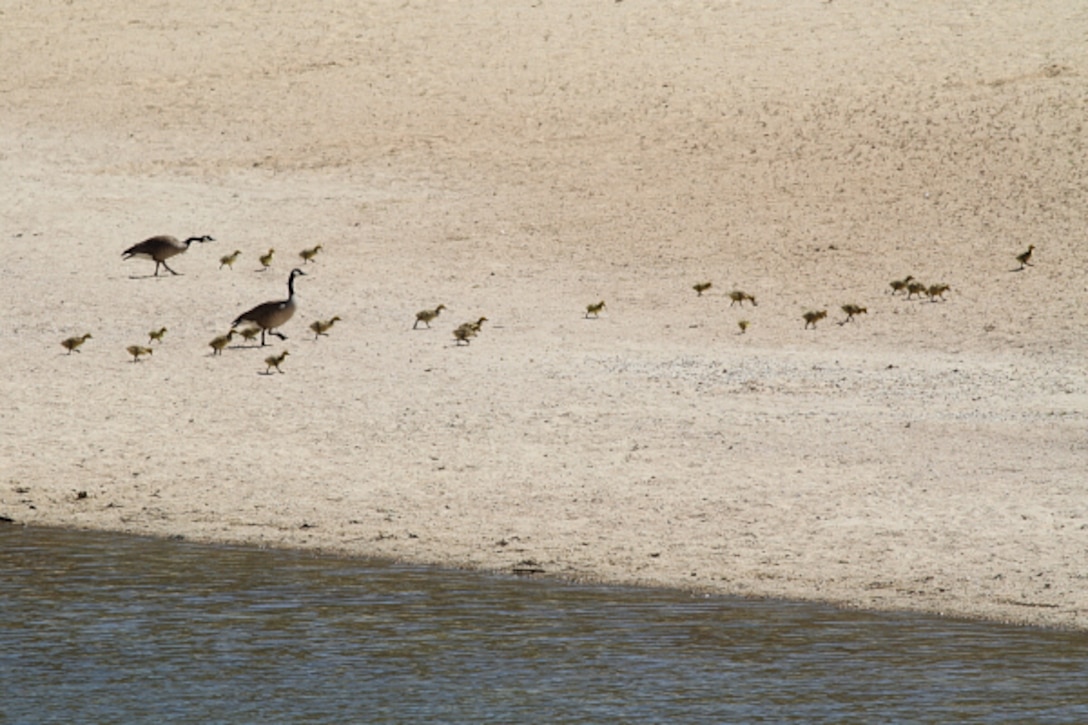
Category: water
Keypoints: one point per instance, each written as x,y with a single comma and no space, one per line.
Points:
117,629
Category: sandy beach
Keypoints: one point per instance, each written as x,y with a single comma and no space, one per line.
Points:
519,161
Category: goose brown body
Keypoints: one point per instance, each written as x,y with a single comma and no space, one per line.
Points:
161,248
270,316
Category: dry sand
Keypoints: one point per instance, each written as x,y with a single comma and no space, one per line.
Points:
522,159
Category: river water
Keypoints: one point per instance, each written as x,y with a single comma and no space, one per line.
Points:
108,628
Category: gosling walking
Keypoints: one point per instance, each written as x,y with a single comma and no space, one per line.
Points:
309,254
137,350
1024,258
322,328
266,259
156,335
274,361
161,248
739,296
594,309
701,287
218,343
852,310
228,260
812,317
899,285
72,343
425,316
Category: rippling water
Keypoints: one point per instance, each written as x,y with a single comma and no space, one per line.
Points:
108,628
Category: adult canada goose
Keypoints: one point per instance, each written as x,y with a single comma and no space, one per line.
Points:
272,315
72,343
266,259
274,361
229,259
811,318
156,335
595,309
1024,258
322,328
425,316
137,350
218,343
702,287
159,249
308,254
738,296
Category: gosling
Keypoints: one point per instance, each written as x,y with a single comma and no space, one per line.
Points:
738,296
915,288
249,334
743,325
274,361
266,259
425,316
137,350
309,254
594,309
218,343
1024,258
229,259
156,335
852,310
322,328
465,332
899,285
936,292
72,343
812,317
702,287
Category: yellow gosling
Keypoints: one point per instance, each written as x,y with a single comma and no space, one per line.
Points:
1025,257
812,317
702,287
739,296
322,328
426,316
275,361
743,325
915,289
595,309
249,334
137,350
266,259
852,310
309,254
156,335
228,260
72,343
218,343
936,291
899,285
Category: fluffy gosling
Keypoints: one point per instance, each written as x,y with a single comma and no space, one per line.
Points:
743,325
852,310
702,287
467,331
425,316
322,328
266,259
936,292
915,288
274,361
249,334
738,296
218,343
812,317
308,254
156,335
1024,258
595,309
899,285
72,343
137,350
228,260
